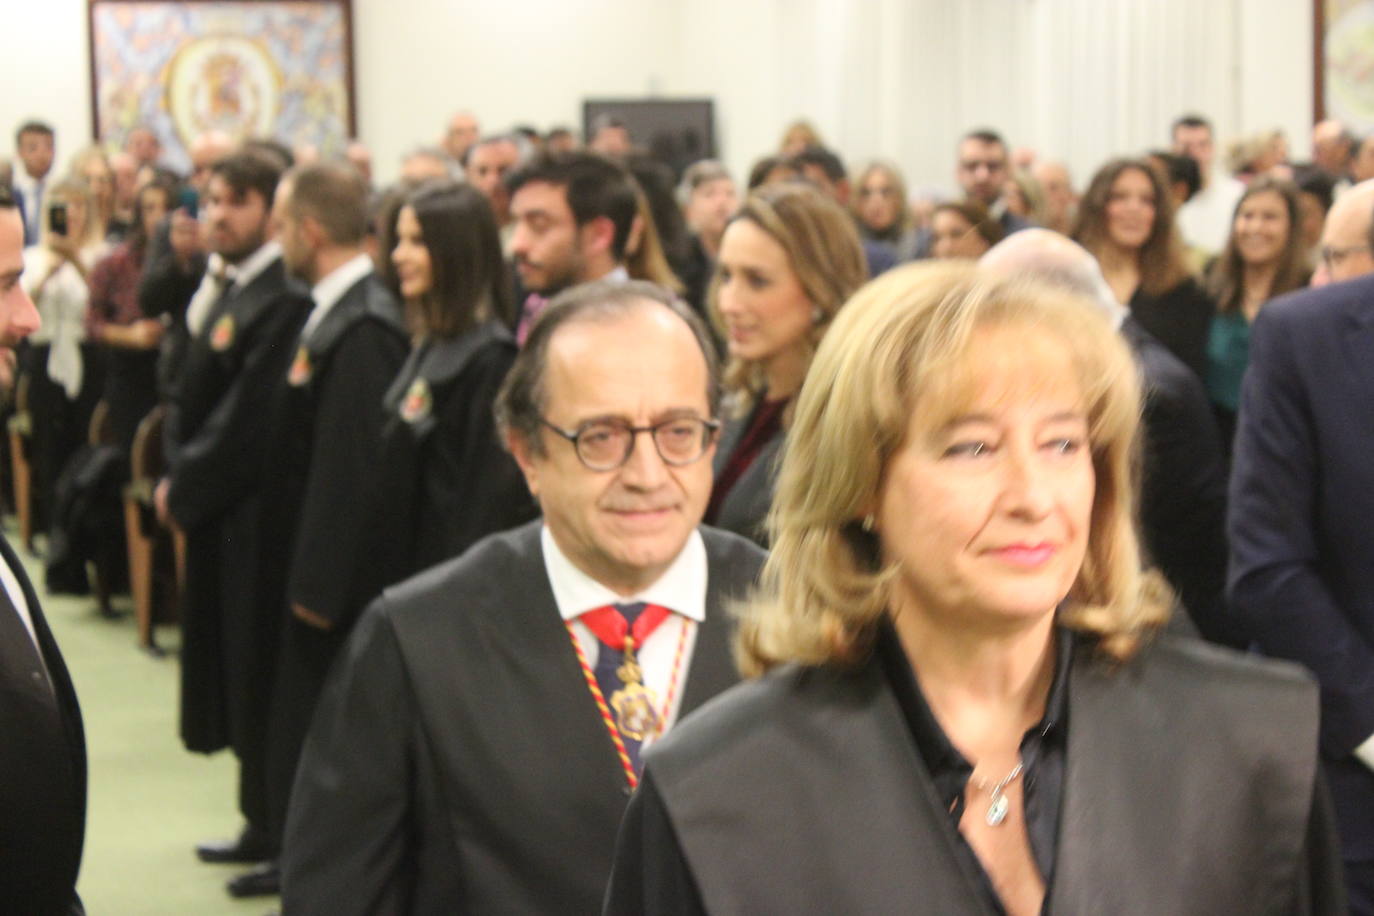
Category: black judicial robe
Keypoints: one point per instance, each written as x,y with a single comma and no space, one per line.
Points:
1190,786
458,763
222,443
446,480
334,419
42,776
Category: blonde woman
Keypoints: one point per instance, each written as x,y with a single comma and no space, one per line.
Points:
962,705
62,368
789,258
92,165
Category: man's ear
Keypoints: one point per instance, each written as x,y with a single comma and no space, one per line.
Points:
314,233
519,449
598,237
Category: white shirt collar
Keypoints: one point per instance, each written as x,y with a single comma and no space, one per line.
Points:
331,287
26,182
247,270
618,274
681,588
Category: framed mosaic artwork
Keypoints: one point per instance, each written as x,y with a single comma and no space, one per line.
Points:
269,68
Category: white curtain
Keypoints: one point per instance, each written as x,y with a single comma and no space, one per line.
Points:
1078,80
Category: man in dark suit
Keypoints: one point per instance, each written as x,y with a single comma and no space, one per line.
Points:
572,218
43,749
982,171
1302,496
221,440
34,144
1183,486
476,745
350,349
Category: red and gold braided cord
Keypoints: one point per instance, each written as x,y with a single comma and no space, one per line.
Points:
607,718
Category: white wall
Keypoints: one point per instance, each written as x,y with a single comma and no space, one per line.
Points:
46,72
533,61
1079,79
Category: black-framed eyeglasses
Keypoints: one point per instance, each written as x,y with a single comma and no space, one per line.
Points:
604,445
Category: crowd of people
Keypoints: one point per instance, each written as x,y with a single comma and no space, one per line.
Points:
1011,493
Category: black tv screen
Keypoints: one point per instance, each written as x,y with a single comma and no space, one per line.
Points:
677,132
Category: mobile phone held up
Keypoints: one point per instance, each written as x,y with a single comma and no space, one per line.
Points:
189,201
57,219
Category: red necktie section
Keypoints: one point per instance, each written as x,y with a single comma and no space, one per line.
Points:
609,623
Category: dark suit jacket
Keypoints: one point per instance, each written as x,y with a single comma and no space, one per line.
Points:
746,505
165,290
221,434
457,762
42,777
1183,490
1190,786
446,481
1302,496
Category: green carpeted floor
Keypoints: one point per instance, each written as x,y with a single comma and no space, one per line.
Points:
150,800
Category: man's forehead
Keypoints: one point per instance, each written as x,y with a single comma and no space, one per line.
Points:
541,196
1348,222
11,241
644,336
982,148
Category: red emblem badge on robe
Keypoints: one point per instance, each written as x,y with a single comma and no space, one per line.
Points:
301,370
222,336
418,402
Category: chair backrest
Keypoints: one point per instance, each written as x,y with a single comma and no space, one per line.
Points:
100,432
146,458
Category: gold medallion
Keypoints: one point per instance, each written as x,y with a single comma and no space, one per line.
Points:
635,715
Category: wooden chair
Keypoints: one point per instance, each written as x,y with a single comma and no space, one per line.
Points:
155,564
20,432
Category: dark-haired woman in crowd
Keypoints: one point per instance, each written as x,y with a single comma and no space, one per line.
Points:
963,229
447,480
788,260
1126,219
1263,258
116,321
880,208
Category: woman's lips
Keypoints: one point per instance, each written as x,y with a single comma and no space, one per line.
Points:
1028,556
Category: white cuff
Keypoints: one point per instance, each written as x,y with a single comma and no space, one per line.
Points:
1365,752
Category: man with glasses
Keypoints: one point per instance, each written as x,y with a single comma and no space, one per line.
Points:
476,745
1301,500
982,172
1348,234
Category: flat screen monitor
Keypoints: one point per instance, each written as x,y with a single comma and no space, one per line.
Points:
677,132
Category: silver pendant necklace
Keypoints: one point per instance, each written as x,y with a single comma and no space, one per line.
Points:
999,805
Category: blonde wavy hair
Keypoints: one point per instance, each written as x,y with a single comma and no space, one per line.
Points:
906,341
824,253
